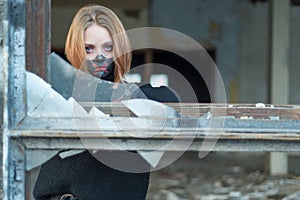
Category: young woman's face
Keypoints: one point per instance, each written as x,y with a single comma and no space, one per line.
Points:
97,41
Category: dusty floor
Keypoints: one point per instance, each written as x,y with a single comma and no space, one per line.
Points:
222,176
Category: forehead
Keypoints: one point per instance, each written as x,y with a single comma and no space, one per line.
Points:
96,34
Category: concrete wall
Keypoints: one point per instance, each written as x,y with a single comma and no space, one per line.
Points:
206,21
254,53
239,30
294,59
253,47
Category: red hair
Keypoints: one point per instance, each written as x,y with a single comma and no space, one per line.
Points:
102,16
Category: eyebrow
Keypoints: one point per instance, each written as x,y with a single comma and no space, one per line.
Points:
109,42
105,43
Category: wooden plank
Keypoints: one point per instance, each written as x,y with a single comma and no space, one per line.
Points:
38,31
198,109
154,144
240,121
165,134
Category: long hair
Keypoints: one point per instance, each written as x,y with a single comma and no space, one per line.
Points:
102,16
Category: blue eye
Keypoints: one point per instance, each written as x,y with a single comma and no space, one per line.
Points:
89,49
108,48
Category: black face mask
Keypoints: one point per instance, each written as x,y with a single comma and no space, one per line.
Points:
101,67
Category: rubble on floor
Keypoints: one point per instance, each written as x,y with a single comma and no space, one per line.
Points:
223,176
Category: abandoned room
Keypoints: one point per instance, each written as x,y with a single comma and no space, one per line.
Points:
208,109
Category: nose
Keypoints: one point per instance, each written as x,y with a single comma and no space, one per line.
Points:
99,58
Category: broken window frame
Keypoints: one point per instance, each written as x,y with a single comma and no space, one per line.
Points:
26,47
25,44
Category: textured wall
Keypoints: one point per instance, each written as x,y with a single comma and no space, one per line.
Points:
208,21
294,60
253,58
239,30
254,53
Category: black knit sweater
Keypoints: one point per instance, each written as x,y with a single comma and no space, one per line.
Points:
87,178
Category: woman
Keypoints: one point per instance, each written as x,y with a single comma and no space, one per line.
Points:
97,31
96,43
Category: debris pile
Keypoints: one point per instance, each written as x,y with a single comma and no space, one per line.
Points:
222,176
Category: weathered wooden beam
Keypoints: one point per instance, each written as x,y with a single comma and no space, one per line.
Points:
38,32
